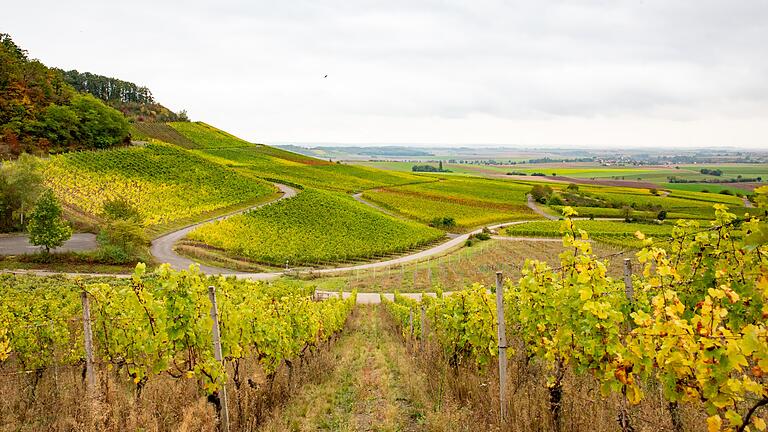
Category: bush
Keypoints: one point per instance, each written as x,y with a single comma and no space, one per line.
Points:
626,213
122,241
443,222
555,200
540,193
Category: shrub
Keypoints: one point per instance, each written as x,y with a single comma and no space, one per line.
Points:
443,222
122,241
626,213
555,199
540,193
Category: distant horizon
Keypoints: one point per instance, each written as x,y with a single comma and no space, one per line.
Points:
491,146
677,75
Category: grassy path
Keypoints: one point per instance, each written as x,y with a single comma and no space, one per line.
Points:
368,390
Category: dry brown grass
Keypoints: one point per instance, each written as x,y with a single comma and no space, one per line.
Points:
469,395
55,399
467,265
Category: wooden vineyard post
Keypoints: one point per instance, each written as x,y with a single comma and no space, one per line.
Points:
90,375
223,408
422,328
623,417
429,273
502,333
410,322
628,288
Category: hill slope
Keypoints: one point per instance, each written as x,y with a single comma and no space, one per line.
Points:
165,183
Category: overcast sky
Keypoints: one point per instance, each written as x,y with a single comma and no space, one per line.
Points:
656,73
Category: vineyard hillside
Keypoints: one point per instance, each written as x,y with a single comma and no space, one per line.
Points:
166,184
315,227
271,163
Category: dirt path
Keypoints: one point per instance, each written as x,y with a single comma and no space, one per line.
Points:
359,198
162,247
370,389
532,205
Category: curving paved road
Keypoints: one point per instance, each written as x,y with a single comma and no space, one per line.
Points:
162,247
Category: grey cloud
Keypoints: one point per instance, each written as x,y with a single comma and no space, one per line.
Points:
512,60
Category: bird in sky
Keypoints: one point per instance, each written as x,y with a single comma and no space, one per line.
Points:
325,76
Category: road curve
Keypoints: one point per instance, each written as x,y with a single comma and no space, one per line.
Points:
162,247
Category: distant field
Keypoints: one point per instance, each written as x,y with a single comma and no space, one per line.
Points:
612,232
714,188
313,227
585,170
734,169
470,201
163,182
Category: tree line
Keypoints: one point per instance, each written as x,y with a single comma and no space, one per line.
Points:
41,113
106,88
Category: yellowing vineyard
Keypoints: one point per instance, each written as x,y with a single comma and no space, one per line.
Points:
693,322
164,183
313,227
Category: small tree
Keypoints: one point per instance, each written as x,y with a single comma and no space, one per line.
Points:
626,212
46,226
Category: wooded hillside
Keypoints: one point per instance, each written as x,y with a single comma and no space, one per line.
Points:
40,113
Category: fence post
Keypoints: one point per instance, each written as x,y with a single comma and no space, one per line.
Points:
623,417
429,273
223,408
628,289
90,375
502,331
422,328
410,321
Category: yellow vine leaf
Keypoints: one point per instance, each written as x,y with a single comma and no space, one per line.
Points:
714,423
